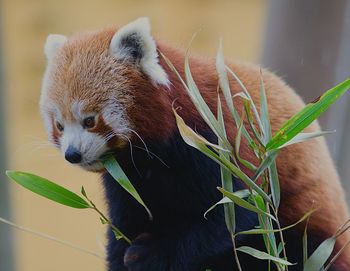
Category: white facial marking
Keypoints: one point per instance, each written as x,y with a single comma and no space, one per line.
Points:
90,145
114,116
144,46
77,109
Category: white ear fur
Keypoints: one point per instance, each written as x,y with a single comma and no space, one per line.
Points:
134,42
53,43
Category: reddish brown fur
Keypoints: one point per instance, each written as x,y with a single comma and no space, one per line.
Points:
307,174
103,129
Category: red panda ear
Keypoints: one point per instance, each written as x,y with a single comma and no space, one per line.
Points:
134,42
53,43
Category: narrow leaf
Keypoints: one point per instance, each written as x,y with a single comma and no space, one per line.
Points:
262,255
48,189
223,79
266,223
225,88
243,203
226,176
307,115
264,114
257,135
224,200
113,167
264,231
238,138
267,134
274,183
241,194
320,256
305,242
246,92
301,137
264,165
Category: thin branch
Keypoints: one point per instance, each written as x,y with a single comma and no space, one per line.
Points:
235,252
51,238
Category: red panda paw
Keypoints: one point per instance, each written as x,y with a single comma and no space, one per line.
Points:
144,254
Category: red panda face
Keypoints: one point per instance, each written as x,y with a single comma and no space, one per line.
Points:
90,90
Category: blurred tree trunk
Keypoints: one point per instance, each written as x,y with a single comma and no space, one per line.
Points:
6,241
308,44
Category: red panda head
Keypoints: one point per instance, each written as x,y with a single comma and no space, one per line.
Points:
99,88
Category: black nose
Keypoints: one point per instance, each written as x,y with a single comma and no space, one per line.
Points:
73,155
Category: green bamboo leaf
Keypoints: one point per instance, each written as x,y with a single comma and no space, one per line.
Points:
302,137
265,231
241,194
247,108
264,113
320,256
223,79
267,134
336,256
271,156
279,248
246,92
243,203
266,223
241,95
262,255
238,138
274,183
307,115
226,176
48,189
113,167
225,88
221,122
305,243
224,200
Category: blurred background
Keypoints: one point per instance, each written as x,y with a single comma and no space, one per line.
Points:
305,42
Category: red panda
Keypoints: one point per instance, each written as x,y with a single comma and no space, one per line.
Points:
110,91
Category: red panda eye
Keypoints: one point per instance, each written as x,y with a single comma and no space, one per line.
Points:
59,126
89,122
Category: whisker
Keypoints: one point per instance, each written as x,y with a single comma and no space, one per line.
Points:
143,142
131,152
152,153
110,134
